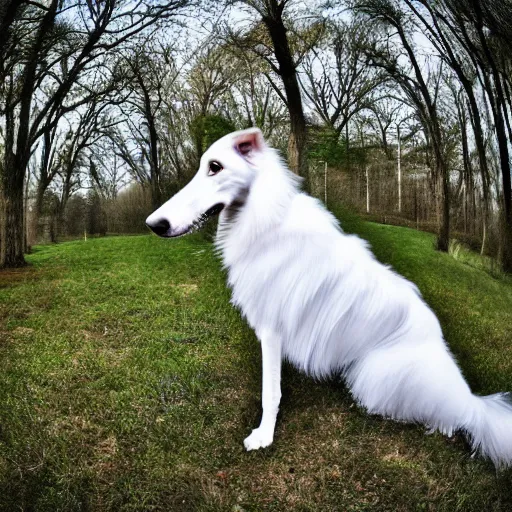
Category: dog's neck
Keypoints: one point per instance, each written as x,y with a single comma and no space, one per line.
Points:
260,208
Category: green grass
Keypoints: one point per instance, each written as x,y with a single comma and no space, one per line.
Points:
128,384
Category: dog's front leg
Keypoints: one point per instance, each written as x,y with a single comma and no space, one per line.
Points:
271,392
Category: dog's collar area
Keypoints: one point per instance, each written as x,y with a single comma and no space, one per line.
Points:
214,210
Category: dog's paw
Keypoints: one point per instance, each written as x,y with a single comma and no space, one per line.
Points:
258,439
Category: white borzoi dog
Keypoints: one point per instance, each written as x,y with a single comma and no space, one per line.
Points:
318,298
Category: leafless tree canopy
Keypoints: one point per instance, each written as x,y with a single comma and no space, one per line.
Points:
400,108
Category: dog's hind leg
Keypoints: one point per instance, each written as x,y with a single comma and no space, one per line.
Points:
271,391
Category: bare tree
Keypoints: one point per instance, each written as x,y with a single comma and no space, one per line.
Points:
441,30
213,73
138,139
64,42
9,11
283,64
480,33
473,38
387,116
336,76
421,87
106,168
64,143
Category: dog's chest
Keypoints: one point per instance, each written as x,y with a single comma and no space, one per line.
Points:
277,286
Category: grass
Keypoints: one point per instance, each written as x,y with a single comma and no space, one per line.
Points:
128,384
461,252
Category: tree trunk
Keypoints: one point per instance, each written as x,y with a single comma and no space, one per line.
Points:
501,137
473,206
484,236
27,244
154,161
11,229
416,210
465,206
38,208
287,71
506,259
17,146
156,195
347,147
9,10
443,239
297,152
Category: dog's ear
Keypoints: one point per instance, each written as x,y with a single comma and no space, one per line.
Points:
249,141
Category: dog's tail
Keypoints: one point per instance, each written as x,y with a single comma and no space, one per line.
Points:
489,427
422,383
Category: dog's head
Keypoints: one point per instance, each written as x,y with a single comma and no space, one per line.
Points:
225,175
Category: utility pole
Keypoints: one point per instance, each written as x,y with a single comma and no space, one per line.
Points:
398,161
325,183
366,172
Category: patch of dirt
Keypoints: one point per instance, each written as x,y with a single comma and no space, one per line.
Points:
23,331
5,336
185,288
395,457
73,425
105,456
9,277
89,335
107,447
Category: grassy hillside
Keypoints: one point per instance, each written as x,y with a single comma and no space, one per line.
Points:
128,383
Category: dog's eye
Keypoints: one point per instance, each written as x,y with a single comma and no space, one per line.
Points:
214,168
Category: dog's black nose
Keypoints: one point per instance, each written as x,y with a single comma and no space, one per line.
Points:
160,227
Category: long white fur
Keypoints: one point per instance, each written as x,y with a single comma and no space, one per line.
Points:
318,298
